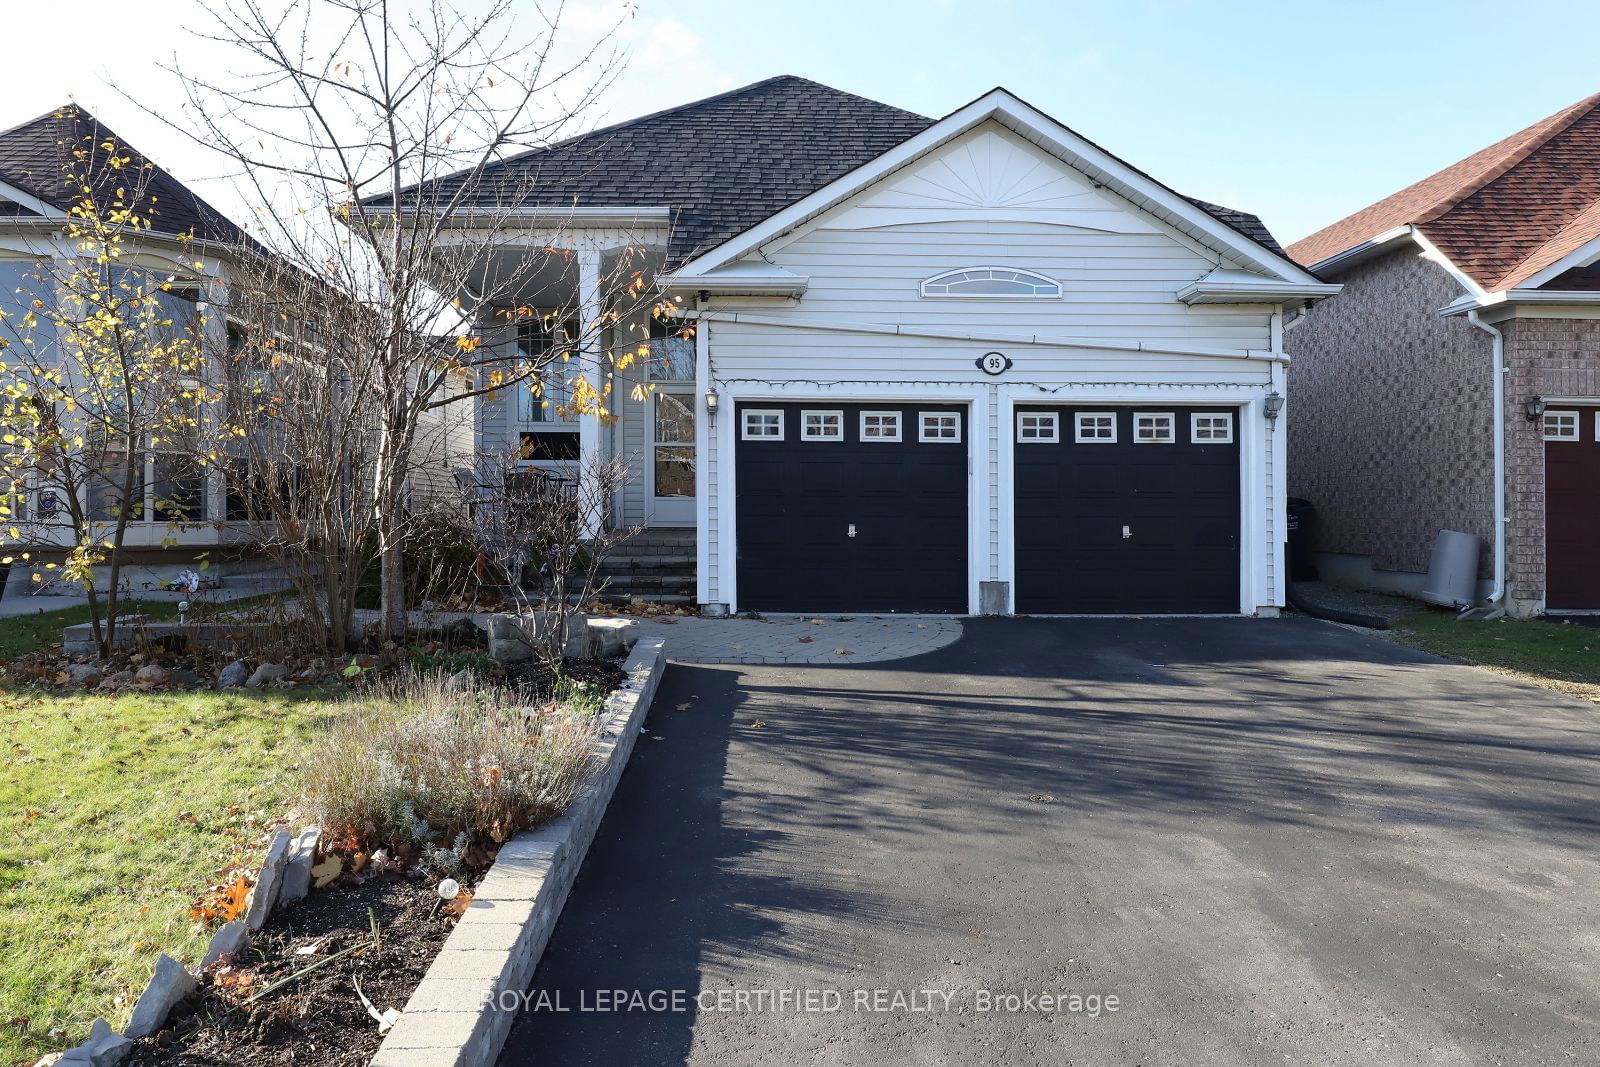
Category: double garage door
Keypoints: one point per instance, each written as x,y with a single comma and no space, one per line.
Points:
864,507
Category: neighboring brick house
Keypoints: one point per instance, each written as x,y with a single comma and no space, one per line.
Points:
1393,433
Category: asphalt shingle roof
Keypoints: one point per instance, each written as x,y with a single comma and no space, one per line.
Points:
1504,213
722,164
34,155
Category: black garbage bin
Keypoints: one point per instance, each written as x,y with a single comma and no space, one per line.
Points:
1301,513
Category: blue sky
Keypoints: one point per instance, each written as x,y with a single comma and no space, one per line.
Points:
1299,112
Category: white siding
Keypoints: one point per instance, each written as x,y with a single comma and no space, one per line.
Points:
992,199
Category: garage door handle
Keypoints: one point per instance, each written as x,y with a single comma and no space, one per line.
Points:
1126,533
852,530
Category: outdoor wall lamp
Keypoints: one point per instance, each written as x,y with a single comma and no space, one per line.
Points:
1273,405
1534,406
711,401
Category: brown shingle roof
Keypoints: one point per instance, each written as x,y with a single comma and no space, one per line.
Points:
1502,214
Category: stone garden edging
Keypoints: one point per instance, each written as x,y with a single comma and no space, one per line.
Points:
451,1020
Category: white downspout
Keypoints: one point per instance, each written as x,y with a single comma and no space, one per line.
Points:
1497,596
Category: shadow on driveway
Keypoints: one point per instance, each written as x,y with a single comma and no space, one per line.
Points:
1270,839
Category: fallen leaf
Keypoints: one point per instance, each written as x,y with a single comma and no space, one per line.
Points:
816,622
758,724
458,906
807,639
843,652
225,903
684,707
323,874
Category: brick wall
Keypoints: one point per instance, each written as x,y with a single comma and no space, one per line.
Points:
1389,405
1544,357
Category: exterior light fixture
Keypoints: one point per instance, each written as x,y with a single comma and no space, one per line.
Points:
711,401
1534,406
1273,405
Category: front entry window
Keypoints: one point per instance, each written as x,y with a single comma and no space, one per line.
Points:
672,420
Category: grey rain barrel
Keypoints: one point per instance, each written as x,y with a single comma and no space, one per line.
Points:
1453,571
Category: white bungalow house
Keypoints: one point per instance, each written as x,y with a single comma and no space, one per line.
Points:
977,364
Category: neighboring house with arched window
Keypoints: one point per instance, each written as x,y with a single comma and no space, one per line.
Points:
969,364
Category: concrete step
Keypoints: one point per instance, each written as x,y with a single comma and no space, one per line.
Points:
631,564
650,586
675,599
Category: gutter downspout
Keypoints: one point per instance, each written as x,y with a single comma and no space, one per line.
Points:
1498,595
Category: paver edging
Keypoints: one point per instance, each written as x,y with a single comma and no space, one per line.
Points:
454,1018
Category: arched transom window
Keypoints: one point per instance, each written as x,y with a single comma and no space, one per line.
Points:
1005,283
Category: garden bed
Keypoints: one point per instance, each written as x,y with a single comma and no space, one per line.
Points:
318,1019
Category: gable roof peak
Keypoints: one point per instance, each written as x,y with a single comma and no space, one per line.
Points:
1499,210
34,154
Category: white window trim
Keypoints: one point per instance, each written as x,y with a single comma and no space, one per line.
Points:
899,420
838,422
1035,276
1172,427
922,428
1054,424
1577,422
744,424
1078,418
1194,428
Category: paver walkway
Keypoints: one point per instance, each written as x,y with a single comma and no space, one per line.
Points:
802,639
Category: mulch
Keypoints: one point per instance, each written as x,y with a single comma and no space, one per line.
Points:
534,677
320,1018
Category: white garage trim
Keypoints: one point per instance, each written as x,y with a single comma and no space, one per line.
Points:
1258,512
727,469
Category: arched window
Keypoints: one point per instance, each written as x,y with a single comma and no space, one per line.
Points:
1003,283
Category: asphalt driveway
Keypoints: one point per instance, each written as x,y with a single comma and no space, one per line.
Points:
1271,841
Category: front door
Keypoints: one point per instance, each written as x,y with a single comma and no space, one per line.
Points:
1572,508
671,460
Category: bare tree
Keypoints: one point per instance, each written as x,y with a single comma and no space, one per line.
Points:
365,137
540,532
292,436
101,375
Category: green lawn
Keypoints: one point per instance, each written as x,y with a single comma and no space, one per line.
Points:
1560,655
115,813
27,633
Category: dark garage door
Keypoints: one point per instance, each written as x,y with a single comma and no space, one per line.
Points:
1572,508
865,467
1112,517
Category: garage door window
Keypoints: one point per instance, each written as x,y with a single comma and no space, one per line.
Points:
1095,428
822,425
880,426
940,426
1153,428
1211,429
762,426
1561,426
1037,428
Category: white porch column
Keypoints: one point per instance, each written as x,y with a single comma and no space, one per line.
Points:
590,440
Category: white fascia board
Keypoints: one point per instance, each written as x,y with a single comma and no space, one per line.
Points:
1357,254
740,279
1581,256
736,285
1430,251
584,216
1511,298
31,202
1235,287
1034,126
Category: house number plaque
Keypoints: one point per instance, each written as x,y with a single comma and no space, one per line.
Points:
993,363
